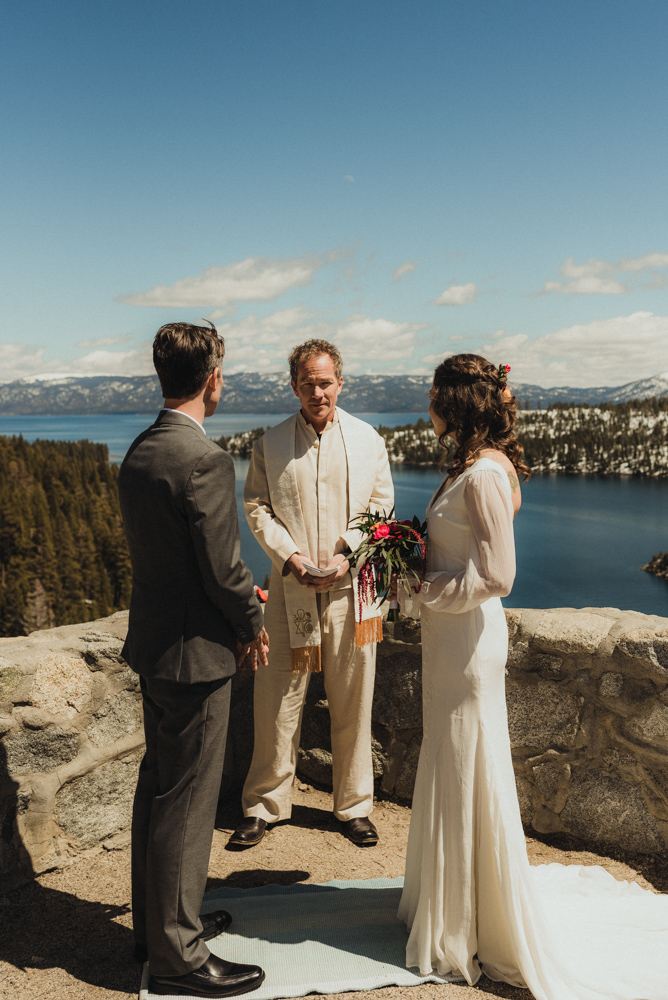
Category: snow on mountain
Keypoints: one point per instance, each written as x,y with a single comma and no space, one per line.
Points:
249,392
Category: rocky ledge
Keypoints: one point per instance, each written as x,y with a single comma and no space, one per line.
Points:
72,741
658,565
587,695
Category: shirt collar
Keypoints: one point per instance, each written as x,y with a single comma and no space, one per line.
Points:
311,429
170,409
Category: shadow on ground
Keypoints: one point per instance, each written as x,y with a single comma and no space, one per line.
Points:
44,928
253,878
653,867
230,814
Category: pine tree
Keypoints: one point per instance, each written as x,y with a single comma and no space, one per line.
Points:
63,554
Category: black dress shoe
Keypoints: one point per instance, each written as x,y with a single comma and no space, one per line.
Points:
361,831
213,924
249,832
216,978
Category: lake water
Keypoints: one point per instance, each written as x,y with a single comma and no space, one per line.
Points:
580,539
118,430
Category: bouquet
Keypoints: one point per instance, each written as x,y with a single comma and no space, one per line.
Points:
389,548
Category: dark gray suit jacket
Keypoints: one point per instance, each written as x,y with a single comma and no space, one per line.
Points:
192,594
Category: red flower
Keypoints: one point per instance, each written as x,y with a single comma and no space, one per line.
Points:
382,531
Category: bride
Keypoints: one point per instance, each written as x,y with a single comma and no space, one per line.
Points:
471,900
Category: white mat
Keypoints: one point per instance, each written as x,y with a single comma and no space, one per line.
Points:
324,938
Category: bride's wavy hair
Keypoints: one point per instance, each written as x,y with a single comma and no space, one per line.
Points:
471,397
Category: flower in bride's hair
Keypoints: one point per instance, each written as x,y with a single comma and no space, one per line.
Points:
382,531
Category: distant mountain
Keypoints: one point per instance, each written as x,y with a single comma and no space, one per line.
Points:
253,393
645,388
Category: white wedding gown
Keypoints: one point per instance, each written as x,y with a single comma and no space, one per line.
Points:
471,900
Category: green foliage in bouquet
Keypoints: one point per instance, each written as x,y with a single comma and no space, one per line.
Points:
389,548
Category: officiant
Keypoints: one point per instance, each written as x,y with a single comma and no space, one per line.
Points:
309,479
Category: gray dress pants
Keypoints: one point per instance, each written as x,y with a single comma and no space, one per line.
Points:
173,818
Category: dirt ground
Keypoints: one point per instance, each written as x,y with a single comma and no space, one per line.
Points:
67,934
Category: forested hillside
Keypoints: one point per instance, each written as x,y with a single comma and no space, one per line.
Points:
63,555
629,438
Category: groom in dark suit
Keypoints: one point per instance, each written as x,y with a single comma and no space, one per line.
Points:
193,618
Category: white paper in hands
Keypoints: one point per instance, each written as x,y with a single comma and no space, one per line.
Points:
314,571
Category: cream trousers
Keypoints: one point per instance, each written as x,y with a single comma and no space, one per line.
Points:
348,674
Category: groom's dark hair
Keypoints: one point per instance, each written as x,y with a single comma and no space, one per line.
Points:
184,356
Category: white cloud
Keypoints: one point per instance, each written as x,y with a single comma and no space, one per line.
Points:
457,295
253,279
104,341
431,361
254,343
381,342
457,336
19,361
263,344
600,277
138,361
605,352
403,269
349,177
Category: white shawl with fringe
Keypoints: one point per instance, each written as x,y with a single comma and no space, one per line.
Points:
277,521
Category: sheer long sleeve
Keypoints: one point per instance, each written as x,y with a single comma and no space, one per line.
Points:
490,569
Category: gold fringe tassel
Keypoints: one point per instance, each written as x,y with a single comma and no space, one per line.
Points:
305,660
369,631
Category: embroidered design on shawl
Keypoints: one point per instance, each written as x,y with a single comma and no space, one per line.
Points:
303,623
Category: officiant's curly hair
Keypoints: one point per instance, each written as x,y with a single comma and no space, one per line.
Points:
471,398
314,349
184,356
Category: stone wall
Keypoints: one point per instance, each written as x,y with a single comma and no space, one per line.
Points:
587,696
70,722
587,706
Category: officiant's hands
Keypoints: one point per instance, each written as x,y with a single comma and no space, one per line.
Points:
342,567
295,565
252,652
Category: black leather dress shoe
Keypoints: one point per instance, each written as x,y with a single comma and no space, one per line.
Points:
361,831
213,924
216,978
249,832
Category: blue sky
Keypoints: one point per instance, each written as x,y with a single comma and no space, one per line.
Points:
406,179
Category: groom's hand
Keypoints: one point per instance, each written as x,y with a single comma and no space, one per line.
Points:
250,653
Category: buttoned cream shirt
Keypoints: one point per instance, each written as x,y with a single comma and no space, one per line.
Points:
307,506
321,465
